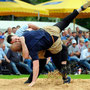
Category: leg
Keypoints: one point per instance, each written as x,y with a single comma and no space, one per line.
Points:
66,21
41,67
25,66
60,61
13,65
29,62
85,63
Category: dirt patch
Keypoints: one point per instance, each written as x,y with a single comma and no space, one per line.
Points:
45,84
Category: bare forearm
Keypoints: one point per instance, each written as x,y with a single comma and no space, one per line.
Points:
77,53
34,27
7,60
25,51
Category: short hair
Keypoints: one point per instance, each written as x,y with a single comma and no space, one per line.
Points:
9,38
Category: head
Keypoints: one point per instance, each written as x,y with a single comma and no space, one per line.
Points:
77,29
63,33
16,47
3,46
87,35
81,42
18,26
9,30
74,43
69,30
80,33
74,34
12,39
86,41
14,29
2,38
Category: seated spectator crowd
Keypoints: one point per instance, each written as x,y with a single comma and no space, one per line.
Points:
78,44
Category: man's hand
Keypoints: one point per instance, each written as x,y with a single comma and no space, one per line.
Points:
22,39
31,84
72,54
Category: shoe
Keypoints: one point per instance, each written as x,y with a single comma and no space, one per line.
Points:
28,81
86,5
67,80
18,73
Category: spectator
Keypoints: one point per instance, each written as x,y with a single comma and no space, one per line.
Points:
74,34
81,44
9,32
15,60
2,39
69,30
17,27
85,58
63,37
77,29
3,58
14,30
5,49
86,41
69,41
87,36
79,36
73,51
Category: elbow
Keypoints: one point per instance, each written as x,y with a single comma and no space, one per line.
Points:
26,56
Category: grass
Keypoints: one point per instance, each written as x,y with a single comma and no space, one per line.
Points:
82,76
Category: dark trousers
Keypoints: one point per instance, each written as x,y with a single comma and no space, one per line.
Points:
66,21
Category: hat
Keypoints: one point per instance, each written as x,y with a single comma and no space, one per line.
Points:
88,45
86,40
73,41
2,37
80,32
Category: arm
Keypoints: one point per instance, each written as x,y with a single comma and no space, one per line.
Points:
34,27
35,72
77,53
25,52
7,59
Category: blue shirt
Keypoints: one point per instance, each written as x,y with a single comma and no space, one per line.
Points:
2,54
36,41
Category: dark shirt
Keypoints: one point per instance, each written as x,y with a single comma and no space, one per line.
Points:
14,56
36,41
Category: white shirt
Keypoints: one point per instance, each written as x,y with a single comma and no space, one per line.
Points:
84,54
73,49
21,30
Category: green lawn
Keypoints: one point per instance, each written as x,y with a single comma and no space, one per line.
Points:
82,76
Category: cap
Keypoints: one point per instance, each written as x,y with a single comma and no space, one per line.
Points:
73,41
86,40
2,37
88,45
80,32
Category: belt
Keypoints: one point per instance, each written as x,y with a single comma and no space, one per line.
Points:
54,38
